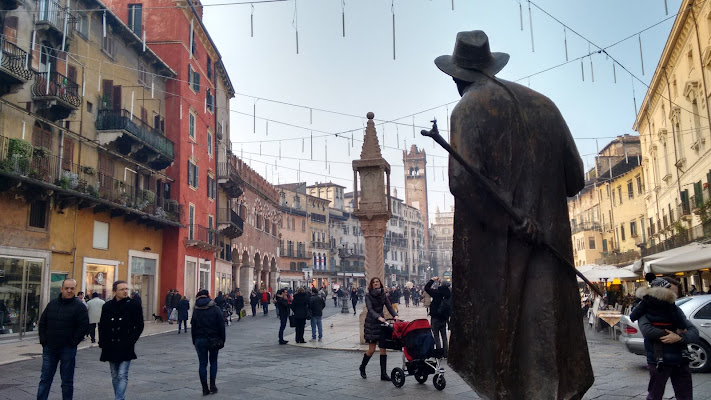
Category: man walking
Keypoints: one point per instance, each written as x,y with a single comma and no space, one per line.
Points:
169,305
120,327
62,327
94,306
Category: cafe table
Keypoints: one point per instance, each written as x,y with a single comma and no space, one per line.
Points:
612,318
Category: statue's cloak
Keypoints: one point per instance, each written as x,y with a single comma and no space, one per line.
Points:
517,332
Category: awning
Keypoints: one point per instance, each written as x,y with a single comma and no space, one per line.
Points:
692,257
598,273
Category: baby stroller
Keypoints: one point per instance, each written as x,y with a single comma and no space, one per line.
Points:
419,356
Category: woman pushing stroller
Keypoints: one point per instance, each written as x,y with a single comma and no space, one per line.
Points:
376,301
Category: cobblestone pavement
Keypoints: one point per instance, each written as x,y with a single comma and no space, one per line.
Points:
253,365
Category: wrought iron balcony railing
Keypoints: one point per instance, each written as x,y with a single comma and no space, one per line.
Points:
14,60
122,120
55,85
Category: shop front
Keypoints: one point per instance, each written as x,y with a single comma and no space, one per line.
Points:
143,269
99,277
223,277
23,290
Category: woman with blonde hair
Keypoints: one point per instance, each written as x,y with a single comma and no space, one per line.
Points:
376,302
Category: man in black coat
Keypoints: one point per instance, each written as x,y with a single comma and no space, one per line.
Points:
440,311
62,326
283,306
120,326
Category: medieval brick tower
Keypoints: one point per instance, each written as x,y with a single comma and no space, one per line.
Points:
416,185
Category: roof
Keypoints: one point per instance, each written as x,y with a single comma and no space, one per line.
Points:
325,184
290,186
620,169
225,77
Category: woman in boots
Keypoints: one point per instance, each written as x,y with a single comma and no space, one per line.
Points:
208,330
376,301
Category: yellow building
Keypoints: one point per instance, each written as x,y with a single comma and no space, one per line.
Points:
673,125
82,154
585,227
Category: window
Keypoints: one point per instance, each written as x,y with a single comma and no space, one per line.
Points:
191,129
211,187
209,143
274,229
89,107
303,226
107,44
619,193
639,184
630,189
101,235
191,223
83,24
135,12
192,175
633,229
210,101
259,221
591,243
704,312
209,68
193,79
38,214
622,231
210,222
142,74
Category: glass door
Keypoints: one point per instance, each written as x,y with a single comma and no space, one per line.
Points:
20,290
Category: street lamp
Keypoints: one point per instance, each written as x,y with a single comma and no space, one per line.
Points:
344,253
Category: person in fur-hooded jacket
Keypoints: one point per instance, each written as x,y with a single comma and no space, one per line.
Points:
666,332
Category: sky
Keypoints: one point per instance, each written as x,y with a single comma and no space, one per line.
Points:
284,98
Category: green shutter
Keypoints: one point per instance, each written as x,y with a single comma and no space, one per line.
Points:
698,194
685,201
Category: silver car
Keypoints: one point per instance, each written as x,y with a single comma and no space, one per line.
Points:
698,310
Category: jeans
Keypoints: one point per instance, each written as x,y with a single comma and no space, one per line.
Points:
119,378
354,302
201,346
316,322
282,324
92,332
254,309
265,306
50,359
184,322
439,327
680,377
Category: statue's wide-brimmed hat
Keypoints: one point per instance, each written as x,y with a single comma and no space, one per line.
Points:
471,55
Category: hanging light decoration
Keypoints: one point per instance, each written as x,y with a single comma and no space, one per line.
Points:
641,58
565,42
343,16
530,23
392,10
295,23
251,22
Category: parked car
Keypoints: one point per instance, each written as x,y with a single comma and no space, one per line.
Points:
698,310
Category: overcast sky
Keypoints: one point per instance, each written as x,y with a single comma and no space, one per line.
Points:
355,74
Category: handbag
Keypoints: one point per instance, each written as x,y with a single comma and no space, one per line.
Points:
215,343
173,315
292,321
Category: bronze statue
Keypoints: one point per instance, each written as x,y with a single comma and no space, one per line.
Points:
516,326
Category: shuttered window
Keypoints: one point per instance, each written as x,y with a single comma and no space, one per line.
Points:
68,154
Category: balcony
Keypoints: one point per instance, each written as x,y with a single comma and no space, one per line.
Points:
586,226
229,223
55,94
36,173
203,238
320,245
229,179
134,138
13,67
52,18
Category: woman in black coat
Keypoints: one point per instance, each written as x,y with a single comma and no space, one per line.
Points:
376,302
183,308
208,333
254,300
300,305
239,305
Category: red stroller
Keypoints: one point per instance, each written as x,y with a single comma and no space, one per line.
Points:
419,356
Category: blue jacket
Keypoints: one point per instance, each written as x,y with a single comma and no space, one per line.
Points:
183,308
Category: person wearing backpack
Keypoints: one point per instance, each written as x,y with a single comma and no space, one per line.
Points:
440,311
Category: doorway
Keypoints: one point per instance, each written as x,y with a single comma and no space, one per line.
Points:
20,291
143,280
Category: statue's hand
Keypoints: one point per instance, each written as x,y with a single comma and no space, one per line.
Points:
529,231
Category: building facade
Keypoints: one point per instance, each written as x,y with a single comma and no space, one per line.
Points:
675,140
415,162
294,264
441,238
83,153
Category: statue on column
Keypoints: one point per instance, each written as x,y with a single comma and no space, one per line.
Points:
516,326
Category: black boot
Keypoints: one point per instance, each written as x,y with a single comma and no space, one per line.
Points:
205,389
213,388
366,358
384,368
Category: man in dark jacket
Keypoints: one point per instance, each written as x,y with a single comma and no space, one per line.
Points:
283,306
62,326
316,305
120,326
169,305
440,311
239,304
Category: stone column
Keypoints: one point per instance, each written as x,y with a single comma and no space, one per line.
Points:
374,233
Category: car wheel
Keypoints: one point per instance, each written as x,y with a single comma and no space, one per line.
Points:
700,353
